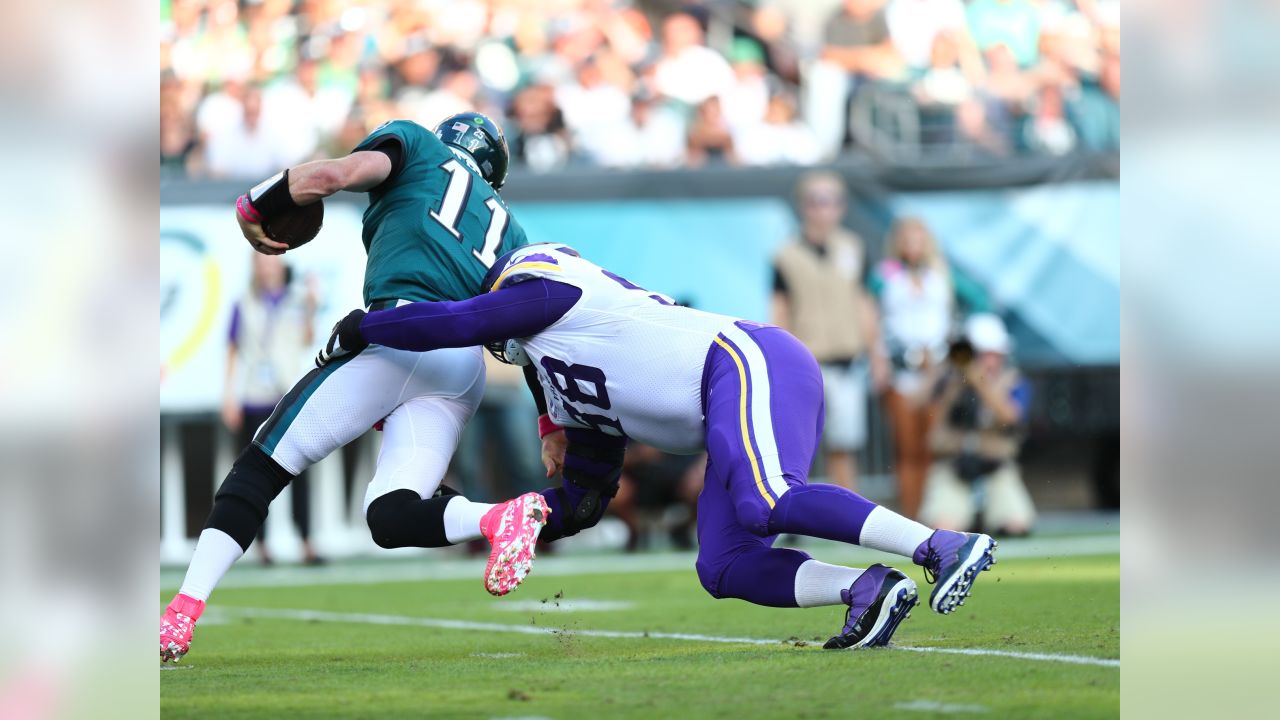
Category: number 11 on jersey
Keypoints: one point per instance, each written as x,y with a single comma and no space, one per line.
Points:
455,198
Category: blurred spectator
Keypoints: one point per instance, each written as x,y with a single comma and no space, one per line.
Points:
746,99
415,72
688,70
818,295
330,67
270,336
947,95
780,138
300,102
654,138
221,111
1009,89
1012,23
251,147
914,25
770,26
177,130
456,93
979,404
537,135
1097,111
1048,131
857,49
913,285
597,106
657,486
710,139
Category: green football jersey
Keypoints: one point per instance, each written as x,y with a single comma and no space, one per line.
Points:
433,229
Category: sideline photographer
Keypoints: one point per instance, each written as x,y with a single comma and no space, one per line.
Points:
979,405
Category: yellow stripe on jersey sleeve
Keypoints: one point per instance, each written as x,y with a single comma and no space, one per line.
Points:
522,266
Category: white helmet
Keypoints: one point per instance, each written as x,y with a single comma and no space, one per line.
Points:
986,332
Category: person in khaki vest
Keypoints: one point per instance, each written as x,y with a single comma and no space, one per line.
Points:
268,341
818,296
979,405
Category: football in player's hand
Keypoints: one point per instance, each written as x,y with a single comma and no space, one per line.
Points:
296,228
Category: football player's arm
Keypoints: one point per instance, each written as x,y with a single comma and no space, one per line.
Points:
554,442
592,468
517,311
360,171
514,312
306,184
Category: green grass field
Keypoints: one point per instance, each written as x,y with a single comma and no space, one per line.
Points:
438,646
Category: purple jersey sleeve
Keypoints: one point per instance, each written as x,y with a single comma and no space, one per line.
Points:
233,333
513,312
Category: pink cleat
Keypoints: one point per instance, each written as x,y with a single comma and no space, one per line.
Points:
177,625
512,528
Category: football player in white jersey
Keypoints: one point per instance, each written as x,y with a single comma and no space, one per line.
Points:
617,361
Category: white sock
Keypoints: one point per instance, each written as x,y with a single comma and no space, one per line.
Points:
215,552
462,520
888,531
818,583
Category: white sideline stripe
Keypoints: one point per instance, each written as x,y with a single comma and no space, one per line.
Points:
434,567
936,707
445,624
1073,659
563,606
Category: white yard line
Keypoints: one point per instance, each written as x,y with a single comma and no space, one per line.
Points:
932,706
1073,659
436,567
446,624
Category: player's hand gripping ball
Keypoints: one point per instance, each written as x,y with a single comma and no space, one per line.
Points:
296,227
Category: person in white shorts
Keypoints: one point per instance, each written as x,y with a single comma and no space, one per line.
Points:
819,296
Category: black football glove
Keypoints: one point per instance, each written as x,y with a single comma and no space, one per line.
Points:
346,339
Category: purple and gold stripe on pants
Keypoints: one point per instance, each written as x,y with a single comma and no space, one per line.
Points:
755,413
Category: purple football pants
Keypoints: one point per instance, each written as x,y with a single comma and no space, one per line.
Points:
763,403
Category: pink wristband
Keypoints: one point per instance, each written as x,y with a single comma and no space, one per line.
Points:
546,426
247,211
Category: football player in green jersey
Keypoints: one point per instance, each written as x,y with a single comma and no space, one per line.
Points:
434,226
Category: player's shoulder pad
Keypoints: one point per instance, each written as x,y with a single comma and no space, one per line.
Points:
539,260
407,130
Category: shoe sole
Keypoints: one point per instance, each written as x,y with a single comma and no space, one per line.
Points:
951,594
510,564
892,614
895,606
173,653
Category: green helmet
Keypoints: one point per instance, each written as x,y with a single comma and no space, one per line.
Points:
480,138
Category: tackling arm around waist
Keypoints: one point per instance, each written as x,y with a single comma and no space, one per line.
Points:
517,311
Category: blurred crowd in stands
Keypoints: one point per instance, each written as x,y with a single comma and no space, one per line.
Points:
249,86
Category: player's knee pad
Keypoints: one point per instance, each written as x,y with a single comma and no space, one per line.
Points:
401,518
709,576
240,505
753,515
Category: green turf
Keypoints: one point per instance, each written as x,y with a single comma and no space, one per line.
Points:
250,667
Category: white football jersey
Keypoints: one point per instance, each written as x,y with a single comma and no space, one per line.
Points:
623,360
